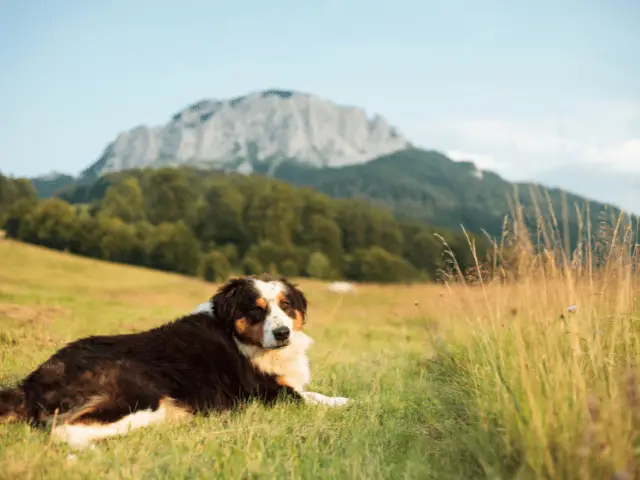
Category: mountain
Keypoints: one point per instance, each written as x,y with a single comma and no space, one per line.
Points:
254,133
47,185
428,186
308,141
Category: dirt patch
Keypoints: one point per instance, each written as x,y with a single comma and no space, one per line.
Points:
31,313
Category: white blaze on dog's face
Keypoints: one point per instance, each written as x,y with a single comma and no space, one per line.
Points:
278,325
264,312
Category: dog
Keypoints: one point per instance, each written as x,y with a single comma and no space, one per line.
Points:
247,345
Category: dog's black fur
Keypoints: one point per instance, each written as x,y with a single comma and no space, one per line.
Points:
193,361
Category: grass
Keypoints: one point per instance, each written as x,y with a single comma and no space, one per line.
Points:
485,380
368,346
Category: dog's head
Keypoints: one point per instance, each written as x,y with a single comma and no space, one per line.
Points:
261,311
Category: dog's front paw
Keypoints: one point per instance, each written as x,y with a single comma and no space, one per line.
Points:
339,401
319,399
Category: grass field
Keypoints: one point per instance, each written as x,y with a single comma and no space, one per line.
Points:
448,382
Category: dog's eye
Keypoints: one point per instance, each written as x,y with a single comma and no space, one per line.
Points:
284,305
256,315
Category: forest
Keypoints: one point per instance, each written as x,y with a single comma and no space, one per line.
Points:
214,224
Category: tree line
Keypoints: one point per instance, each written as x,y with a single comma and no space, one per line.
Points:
214,224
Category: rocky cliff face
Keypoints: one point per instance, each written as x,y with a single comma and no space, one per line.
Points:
255,133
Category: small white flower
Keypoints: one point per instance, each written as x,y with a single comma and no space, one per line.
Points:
572,308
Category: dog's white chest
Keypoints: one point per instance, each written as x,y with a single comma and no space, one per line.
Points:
291,363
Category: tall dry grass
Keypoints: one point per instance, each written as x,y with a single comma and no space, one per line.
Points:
552,342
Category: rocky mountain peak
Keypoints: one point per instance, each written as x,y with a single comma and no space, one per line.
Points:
253,132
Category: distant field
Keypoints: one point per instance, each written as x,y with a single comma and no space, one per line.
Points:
460,382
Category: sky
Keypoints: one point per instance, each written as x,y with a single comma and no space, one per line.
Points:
544,91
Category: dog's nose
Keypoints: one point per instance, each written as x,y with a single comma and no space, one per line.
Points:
281,333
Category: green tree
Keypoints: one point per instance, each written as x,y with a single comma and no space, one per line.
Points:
384,231
7,191
289,268
319,266
88,236
124,201
271,213
276,258
231,252
145,234
323,235
425,251
15,190
15,216
119,241
252,266
170,198
175,249
24,189
221,218
215,267
461,249
377,265
53,224
352,220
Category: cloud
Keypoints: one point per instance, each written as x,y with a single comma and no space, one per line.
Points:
624,156
594,152
483,161
531,147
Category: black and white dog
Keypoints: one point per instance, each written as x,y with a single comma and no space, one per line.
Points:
246,344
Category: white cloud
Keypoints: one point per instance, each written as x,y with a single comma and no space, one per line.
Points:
483,161
623,156
526,148
591,134
594,152
490,133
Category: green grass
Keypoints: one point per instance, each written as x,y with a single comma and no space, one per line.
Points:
369,347
449,382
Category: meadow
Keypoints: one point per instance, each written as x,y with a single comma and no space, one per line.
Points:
533,378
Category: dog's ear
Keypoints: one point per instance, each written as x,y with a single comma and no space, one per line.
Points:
226,300
298,299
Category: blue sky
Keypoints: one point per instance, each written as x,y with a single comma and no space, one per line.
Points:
544,90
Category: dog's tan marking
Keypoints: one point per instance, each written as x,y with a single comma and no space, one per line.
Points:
75,415
283,302
241,325
251,333
298,321
282,381
285,305
174,410
262,303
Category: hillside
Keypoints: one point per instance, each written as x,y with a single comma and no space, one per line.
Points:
415,185
429,187
48,185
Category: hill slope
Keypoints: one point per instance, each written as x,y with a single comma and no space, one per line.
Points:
418,185
428,186
48,185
